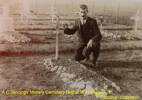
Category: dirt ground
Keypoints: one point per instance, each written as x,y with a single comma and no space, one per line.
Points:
26,73
29,73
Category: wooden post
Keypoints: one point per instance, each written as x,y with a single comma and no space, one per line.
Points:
136,18
102,20
57,39
55,17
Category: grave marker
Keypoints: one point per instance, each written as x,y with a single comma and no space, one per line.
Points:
136,18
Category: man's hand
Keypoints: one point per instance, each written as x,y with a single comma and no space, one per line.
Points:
90,44
65,26
70,26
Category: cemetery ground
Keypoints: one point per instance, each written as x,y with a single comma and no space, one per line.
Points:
22,68
28,65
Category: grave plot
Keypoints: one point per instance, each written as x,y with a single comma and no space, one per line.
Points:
42,73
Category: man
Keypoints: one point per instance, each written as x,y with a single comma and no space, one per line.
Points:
88,34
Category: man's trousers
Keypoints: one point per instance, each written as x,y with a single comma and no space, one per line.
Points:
83,52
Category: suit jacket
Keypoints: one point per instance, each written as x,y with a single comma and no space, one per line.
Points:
85,32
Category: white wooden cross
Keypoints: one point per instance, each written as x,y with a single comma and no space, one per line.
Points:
55,17
25,8
136,18
6,22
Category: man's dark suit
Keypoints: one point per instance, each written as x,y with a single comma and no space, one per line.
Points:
86,32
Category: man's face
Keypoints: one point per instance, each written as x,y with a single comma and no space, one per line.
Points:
83,13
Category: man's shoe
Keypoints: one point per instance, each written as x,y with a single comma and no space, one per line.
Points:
87,63
84,62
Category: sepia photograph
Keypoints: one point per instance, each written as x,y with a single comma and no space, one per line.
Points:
71,49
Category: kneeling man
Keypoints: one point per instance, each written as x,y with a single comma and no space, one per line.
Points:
88,34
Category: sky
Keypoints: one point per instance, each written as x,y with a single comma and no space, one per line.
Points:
95,6
124,7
